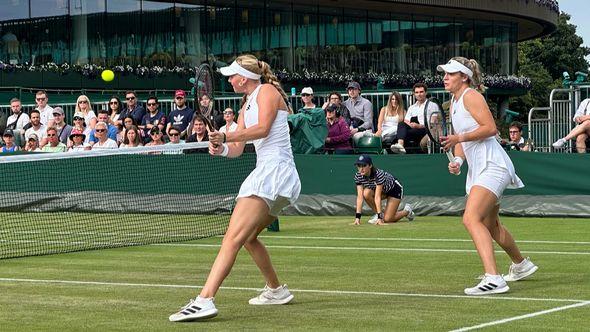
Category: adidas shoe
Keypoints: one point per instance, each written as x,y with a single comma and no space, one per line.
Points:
197,309
491,284
279,295
559,143
373,220
411,213
521,270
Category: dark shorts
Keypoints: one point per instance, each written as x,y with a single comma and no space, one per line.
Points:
397,191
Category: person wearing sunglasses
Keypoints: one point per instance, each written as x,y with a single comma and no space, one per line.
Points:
133,108
115,109
156,137
104,142
373,185
174,135
53,142
84,106
153,119
307,99
77,138
45,111
181,115
230,124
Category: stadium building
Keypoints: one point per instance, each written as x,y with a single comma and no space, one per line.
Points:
394,36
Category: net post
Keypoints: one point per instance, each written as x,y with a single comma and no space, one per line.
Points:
274,226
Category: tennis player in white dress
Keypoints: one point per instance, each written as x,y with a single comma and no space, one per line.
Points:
271,186
490,172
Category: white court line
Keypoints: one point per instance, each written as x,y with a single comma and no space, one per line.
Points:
372,249
511,319
403,239
317,291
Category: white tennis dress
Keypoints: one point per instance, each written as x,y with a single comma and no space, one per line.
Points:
489,165
275,178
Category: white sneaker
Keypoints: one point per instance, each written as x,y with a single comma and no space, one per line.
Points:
197,309
398,148
489,285
521,270
280,295
559,143
411,213
373,220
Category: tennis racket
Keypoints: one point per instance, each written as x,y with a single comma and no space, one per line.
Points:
435,121
204,87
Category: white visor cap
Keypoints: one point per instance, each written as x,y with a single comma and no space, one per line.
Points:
454,66
235,68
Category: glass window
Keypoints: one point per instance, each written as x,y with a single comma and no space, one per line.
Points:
50,32
331,39
87,37
280,39
48,8
422,58
190,23
484,47
14,10
158,37
444,42
306,39
124,33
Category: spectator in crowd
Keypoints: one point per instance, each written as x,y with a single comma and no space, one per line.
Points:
79,124
374,185
17,120
156,137
133,108
199,131
153,119
212,116
32,144
335,98
361,110
63,128
132,138
115,109
104,142
174,134
581,131
517,142
53,142
127,123
45,111
412,128
77,139
389,118
338,139
307,99
83,106
230,124
181,115
112,131
9,145
37,127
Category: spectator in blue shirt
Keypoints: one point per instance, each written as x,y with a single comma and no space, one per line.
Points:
112,131
153,119
182,115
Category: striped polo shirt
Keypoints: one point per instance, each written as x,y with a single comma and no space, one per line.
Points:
380,177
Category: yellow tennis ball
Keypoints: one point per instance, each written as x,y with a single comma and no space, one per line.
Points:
107,75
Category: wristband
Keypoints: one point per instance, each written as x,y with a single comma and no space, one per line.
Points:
458,160
225,150
380,215
224,137
357,215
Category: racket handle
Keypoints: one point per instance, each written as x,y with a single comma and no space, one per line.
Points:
452,160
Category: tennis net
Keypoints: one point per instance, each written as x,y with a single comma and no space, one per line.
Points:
62,202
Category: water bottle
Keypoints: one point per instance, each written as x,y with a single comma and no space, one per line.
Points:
293,91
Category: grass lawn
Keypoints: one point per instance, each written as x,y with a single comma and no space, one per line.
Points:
402,277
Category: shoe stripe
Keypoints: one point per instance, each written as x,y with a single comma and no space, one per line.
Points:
492,284
190,310
195,307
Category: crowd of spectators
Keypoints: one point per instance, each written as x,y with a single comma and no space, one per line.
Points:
117,126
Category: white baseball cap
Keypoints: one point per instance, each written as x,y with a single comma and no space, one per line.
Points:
307,90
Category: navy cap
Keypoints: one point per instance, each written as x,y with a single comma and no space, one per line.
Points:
364,160
353,85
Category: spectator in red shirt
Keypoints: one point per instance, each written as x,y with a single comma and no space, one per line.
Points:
338,139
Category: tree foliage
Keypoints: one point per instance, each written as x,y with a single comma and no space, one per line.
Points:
544,60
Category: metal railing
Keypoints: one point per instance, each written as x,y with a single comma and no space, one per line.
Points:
538,128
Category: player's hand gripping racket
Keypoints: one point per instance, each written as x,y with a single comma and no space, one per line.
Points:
436,127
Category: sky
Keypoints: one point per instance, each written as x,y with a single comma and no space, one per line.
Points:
578,9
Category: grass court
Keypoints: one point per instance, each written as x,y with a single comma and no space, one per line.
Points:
401,277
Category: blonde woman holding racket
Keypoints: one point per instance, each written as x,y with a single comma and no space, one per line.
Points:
490,172
271,186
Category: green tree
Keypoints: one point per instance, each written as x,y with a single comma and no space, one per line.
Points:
544,60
